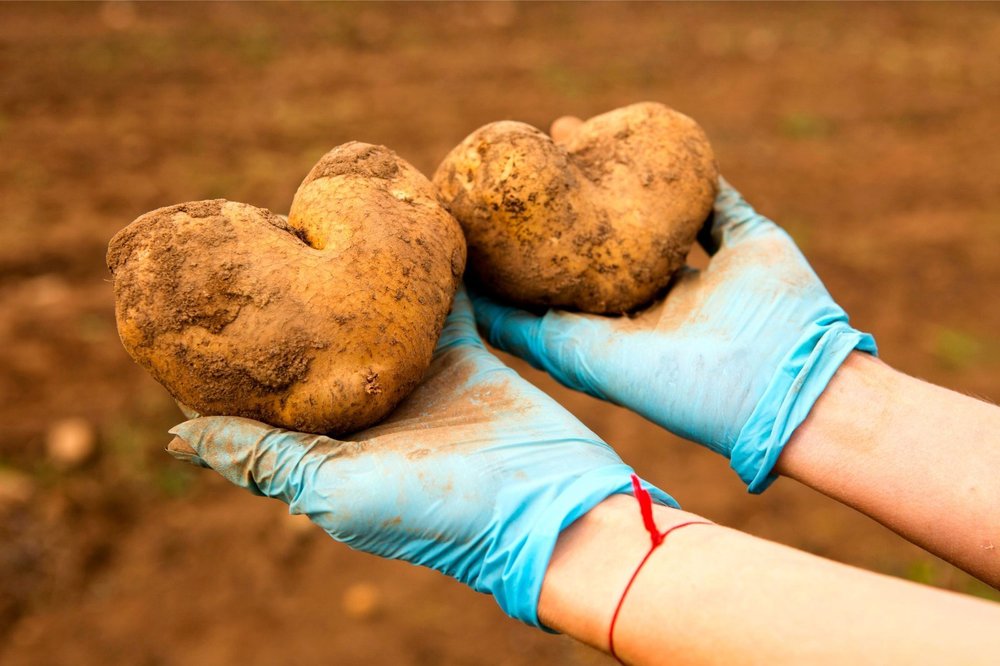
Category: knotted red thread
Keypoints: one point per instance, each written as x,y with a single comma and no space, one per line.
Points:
655,537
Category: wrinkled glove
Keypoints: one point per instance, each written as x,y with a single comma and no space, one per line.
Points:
733,358
475,474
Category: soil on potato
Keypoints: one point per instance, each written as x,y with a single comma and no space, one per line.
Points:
212,303
868,132
576,225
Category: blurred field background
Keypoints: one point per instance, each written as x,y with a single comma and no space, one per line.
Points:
868,131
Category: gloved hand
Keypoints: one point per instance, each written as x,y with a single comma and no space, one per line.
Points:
733,358
475,474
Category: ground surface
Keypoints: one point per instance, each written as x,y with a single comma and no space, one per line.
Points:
868,131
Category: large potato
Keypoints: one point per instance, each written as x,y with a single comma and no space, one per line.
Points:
599,224
321,323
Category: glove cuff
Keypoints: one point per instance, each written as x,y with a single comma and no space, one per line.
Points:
520,584
803,376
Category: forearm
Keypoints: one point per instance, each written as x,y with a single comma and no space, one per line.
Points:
713,595
920,459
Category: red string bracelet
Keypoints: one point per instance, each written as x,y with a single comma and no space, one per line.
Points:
656,537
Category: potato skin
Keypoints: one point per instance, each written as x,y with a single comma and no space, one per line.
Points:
599,224
322,323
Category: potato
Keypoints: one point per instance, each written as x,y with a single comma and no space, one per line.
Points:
599,224
321,323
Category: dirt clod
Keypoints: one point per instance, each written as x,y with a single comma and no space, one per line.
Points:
361,601
70,442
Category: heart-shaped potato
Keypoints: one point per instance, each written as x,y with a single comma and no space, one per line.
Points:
321,323
599,224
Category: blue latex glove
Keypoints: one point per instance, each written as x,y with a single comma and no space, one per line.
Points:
734,357
474,475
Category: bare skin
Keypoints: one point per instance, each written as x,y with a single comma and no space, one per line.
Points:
712,595
918,458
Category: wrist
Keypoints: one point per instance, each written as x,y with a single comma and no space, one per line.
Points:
790,397
519,562
592,563
853,410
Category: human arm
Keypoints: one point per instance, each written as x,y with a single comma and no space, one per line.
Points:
712,595
918,458
475,474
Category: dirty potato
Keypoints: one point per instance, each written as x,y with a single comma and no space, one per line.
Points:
599,224
321,323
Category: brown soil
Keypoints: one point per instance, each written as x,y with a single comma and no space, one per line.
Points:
868,131
367,162
184,267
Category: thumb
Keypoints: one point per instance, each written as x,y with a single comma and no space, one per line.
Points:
511,329
733,221
252,455
559,343
460,327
